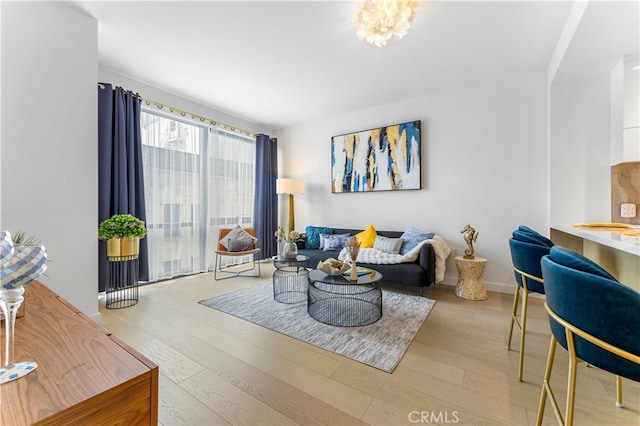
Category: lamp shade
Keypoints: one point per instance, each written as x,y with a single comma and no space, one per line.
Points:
289,186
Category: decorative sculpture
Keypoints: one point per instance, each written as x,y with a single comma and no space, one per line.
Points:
352,245
470,237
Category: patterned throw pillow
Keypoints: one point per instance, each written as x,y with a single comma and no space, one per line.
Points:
237,233
335,241
388,245
241,244
313,236
412,237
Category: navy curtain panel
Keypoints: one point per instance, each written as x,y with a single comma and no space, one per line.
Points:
265,206
120,179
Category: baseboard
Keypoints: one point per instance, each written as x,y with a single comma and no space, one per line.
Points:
452,280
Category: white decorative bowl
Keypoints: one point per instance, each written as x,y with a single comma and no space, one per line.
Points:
329,270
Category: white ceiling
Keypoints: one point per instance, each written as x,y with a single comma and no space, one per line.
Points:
282,63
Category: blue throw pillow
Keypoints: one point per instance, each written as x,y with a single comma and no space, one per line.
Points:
335,241
412,237
313,236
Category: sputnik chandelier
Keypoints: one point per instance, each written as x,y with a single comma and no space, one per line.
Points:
379,20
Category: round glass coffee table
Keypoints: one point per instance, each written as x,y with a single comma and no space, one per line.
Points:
335,300
290,279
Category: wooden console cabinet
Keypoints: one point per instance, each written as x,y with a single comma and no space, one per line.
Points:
85,375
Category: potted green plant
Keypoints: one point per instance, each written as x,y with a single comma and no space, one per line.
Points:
122,232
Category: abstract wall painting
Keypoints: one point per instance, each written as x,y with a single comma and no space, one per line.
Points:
382,159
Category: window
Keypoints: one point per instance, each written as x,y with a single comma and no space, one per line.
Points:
198,178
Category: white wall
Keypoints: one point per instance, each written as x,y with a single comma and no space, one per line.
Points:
484,162
588,100
49,140
580,150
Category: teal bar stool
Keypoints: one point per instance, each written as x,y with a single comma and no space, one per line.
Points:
527,248
595,318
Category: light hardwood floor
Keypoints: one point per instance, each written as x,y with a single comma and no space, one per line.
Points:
217,369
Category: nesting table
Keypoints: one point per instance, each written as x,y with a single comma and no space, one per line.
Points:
290,279
335,300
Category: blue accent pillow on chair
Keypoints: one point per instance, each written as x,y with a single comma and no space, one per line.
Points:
313,236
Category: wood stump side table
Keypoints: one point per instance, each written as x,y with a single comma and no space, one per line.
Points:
471,278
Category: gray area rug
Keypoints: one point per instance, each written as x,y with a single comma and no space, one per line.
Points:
380,345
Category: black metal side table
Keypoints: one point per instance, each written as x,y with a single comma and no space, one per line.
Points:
335,300
122,282
290,279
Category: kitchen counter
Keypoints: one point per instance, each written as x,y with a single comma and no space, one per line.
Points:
618,254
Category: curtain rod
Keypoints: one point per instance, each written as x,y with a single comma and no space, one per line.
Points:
194,116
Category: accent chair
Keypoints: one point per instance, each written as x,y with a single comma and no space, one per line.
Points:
235,248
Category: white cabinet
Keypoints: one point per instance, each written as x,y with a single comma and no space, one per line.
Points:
631,110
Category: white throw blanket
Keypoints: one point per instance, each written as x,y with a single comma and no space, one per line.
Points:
374,256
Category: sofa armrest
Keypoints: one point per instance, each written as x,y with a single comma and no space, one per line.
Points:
427,260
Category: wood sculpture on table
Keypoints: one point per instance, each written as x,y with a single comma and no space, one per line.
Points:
353,248
470,236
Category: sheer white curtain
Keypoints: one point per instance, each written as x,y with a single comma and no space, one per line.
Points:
197,179
231,186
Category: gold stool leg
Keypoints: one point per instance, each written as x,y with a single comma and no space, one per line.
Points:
514,312
571,385
523,332
618,391
546,388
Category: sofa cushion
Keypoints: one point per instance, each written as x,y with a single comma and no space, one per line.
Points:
388,245
367,237
313,235
412,237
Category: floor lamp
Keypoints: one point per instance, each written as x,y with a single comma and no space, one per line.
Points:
290,187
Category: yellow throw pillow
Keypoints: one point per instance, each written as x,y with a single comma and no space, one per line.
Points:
367,237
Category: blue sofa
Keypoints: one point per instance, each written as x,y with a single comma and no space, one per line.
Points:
421,273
